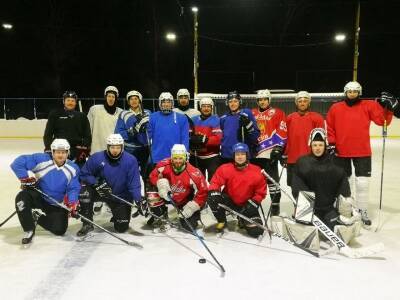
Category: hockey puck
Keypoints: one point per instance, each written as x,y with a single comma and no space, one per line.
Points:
202,260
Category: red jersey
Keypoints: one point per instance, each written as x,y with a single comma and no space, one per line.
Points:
240,185
272,125
210,128
190,181
298,131
348,126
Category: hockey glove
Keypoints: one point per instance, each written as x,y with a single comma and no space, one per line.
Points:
74,209
251,208
164,188
142,207
283,161
214,197
276,153
28,183
197,141
388,101
331,149
245,122
141,123
103,189
190,208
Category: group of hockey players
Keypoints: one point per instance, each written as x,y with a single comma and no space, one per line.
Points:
195,159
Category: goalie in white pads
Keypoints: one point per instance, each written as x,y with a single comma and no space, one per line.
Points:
322,188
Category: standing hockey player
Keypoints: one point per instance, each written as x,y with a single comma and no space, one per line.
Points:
71,125
299,125
205,140
182,99
272,124
176,178
54,175
105,173
241,186
238,125
348,125
132,126
166,128
103,118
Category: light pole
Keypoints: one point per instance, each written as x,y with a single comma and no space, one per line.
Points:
195,51
356,38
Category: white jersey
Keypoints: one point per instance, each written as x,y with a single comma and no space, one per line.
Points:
102,124
191,112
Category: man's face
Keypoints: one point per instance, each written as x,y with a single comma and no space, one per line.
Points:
60,156
318,148
302,104
69,103
263,103
134,102
233,104
178,161
166,104
110,98
206,110
115,150
352,94
183,100
240,157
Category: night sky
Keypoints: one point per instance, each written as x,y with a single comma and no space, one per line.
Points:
87,45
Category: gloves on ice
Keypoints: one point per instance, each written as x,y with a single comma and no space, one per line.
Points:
163,188
28,183
103,189
276,153
190,208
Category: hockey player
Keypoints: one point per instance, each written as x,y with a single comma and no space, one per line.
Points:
238,125
205,140
348,125
166,128
54,175
71,125
299,125
132,126
183,98
391,103
176,178
108,172
271,142
239,185
103,118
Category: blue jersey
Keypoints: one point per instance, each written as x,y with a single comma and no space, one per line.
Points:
165,130
126,120
53,180
122,176
231,133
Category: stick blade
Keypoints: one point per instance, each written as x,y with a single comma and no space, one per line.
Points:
364,251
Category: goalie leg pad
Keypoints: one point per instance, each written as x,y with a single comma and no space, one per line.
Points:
348,233
304,235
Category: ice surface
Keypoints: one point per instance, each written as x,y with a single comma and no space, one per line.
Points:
167,268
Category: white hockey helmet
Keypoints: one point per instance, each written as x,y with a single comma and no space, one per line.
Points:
317,134
264,94
114,139
60,144
165,96
352,86
111,89
302,94
179,150
182,92
206,101
134,93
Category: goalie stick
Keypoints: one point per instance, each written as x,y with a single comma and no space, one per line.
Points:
316,254
330,235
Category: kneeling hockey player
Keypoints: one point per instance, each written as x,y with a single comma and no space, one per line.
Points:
54,175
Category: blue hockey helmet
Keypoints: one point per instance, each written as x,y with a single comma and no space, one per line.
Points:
240,147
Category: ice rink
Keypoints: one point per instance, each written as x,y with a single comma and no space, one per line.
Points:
167,268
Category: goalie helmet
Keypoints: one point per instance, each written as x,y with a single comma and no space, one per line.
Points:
115,139
352,86
264,94
134,93
233,95
60,144
303,94
183,92
163,97
317,134
206,101
111,89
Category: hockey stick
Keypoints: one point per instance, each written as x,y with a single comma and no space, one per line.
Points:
330,235
62,205
384,135
316,254
272,200
197,235
6,220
